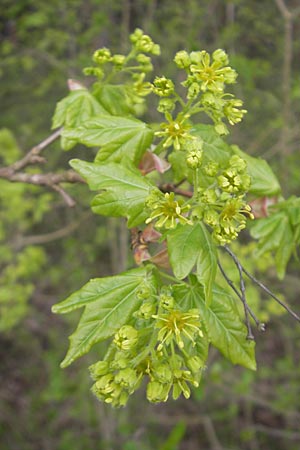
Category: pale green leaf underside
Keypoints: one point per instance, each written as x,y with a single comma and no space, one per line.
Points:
109,302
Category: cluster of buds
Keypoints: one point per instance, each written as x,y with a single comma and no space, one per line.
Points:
207,77
170,362
222,206
143,43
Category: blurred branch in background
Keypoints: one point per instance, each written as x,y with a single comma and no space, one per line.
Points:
51,180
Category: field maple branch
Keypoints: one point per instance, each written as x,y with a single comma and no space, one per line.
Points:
52,180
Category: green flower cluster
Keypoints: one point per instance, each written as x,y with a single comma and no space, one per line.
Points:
207,77
166,355
143,43
222,206
136,64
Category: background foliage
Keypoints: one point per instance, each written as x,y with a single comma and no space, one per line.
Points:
48,250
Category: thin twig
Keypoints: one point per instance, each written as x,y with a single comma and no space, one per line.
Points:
32,157
23,241
241,296
231,284
51,180
262,286
172,188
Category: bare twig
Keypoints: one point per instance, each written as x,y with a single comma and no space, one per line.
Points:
51,180
32,157
169,187
231,284
23,241
262,286
285,434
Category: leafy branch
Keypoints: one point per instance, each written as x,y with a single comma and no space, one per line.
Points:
186,195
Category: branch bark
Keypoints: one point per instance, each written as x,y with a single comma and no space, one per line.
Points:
51,180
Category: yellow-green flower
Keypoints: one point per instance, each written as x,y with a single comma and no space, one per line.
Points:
233,112
168,211
176,326
102,56
210,72
232,220
176,132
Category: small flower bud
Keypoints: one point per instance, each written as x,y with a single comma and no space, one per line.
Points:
194,159
163,86
99,369
146,310
166,105
157,392
162,373
127,378
182,59
166,300
126,338
118,60
221,57
221,129
211,169
102,56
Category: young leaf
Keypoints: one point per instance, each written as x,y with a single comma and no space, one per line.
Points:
269,231
222,321
109,303
214,148
189,246
74,110
118,136
125,189
284,251
112,98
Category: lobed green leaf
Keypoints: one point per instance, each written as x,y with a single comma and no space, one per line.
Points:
189,246
222,321
125,189
118,137
109,303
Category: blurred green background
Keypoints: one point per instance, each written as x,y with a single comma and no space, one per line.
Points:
48,250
